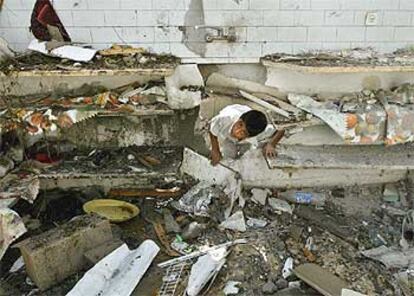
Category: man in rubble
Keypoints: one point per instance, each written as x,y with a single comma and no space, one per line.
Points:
233,127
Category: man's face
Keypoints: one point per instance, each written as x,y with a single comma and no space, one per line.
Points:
239,130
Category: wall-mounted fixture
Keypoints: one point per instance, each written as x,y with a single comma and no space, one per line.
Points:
222,33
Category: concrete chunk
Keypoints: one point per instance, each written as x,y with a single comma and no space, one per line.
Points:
96,254
58,253
323,281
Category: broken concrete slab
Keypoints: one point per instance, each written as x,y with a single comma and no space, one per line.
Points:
260,195
254,172
235,222
97,254
323,281
118,273
391,257
184,76
280,205
200,168
68,244
397,157
231,288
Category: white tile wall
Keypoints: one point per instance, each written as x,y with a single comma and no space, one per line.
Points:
262,26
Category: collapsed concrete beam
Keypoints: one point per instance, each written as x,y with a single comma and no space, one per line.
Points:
398,157
26,83
222,81
255,172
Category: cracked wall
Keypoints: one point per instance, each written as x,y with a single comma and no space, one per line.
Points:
262,26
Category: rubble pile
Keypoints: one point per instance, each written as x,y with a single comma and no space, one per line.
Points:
117,57
346,58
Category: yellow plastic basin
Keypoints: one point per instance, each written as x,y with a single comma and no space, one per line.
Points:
112,209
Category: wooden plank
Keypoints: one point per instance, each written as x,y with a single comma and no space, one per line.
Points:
398,157
323,281
264,104
282,104
165,193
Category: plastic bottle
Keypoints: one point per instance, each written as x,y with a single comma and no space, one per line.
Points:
304,197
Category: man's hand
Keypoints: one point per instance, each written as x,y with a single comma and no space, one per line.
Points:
269,151
215,157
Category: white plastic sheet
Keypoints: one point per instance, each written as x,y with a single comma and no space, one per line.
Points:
71,52
118,273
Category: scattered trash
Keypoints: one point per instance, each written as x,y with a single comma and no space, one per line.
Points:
118,273
172,278
114,210
198,199
181,246
231,288
304,197
256,223
235,222
287,268
280,205
71,52
201,253
184,76
205,269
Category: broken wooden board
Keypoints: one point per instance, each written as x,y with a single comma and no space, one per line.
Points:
162,237
165,193
398,157
323,281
